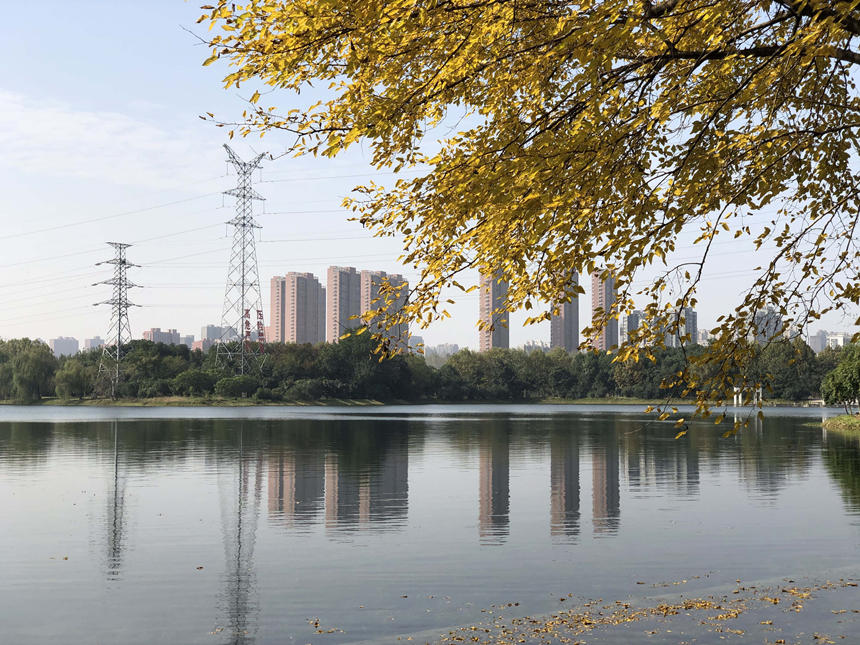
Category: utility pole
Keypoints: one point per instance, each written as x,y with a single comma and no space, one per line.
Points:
243,304
120,331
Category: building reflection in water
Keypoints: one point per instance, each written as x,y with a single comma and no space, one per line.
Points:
605,491
296,482
240,486
115,512
374,492
564,483
358,478
494,486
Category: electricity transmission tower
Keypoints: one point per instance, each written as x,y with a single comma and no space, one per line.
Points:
120,331
243,304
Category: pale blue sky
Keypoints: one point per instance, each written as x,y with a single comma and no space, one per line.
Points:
99,105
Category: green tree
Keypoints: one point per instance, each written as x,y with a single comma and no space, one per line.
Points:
237,386
790,369
194,382
842,385
74,380
33,368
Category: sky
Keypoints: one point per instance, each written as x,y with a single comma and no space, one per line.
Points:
101,140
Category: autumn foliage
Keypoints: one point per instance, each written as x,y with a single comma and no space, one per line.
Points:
590,136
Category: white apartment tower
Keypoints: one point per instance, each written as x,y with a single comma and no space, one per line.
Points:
564,327
493,291
297,309
343,301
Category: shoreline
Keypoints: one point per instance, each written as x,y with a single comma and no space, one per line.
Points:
211,401
844,424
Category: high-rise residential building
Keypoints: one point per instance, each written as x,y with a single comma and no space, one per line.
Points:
691,325
564,326
187,340
298,303
169,337
603,297
768,324
371,282
818,341
703,337
64,346
343,302
631,323
210,333
492,294
688,326
93,343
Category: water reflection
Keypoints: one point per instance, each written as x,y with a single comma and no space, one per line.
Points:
296,485
323,486
842,459
115,523
240,489
494,484
564,483
605,485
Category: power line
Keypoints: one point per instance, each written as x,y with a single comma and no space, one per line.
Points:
106,217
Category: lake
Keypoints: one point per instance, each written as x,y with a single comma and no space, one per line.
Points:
369,525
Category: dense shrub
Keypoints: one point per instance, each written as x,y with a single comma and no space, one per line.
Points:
237,386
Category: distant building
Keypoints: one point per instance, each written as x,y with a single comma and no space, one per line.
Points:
202,345
343,302
536,346
493,292
793,331
703,337
187,340
632,321
444,349
371,282
210,333
416,343
603,296
298,303
768,324
169,337
838,339
818,341
64,346
689,326
564,327
437,355
93,343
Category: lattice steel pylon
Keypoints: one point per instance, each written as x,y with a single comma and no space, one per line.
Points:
120,331
243,303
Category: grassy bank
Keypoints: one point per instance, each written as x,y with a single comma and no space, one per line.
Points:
843,423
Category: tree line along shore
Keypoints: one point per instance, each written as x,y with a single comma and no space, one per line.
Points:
350,370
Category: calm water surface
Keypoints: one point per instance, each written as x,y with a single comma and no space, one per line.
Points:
174,526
